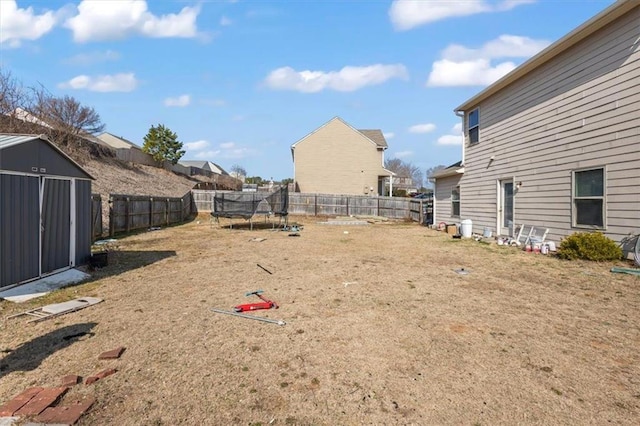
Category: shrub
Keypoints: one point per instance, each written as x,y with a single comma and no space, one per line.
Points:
589,246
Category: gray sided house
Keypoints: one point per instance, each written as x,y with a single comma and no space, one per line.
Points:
556,142
45,210
447,194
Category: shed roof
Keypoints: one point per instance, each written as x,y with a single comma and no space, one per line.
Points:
613,12
8,140
452,170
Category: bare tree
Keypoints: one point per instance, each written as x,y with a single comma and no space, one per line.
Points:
405,169
432,170
15,100
238,171
66,114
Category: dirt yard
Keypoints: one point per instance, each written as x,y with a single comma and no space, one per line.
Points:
380,329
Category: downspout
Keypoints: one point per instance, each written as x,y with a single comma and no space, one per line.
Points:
461,115
391,185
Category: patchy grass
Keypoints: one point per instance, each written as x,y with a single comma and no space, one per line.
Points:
379,330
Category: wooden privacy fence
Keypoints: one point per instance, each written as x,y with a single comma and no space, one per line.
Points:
130,212
96,216
340,205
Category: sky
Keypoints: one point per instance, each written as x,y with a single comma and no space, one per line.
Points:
240,81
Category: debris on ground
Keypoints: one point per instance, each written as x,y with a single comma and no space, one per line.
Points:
237,314
57,309
101,375
264,269
112,354
461,271
257,240
70,380
631,271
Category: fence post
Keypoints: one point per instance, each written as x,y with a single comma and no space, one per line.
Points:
348,206
168,212
127,215
150,212
315,205
378,208
111,218
182,216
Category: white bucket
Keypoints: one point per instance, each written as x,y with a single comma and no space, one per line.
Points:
466,228
487,232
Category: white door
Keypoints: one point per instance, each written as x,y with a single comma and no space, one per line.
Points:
505,210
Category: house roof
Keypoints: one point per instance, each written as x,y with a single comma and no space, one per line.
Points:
376,136
203,164
613,12
11,139
108,138
452,170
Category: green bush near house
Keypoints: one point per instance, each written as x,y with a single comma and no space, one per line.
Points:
593,246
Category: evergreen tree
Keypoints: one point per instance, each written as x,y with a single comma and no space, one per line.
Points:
163,144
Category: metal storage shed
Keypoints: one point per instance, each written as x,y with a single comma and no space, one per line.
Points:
45,210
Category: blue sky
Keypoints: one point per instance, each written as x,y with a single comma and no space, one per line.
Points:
241,81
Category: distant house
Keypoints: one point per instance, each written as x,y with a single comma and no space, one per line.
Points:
403,183
204,165
117,142
339,159
556,142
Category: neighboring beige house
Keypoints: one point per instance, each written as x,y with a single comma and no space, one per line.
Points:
204,165
556,142
117,142
338,159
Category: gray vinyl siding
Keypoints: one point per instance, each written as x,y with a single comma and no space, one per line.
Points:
443,188
19,228
84,236
337,159
579,110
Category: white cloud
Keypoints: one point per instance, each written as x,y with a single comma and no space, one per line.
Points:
84,59
197,145
348,79
467,73
225,22
403,154
505,46
18,24
462,66
227,145
208,155
407,14
180,101
123,82
450,140
422,128
455,138
102,20
389,135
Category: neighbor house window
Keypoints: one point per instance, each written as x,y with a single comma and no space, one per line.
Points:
589,198
473,126
455,202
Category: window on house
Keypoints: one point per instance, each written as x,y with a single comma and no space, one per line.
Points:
473,126
588,198
455,202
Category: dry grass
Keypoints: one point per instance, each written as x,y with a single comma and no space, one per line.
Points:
380,330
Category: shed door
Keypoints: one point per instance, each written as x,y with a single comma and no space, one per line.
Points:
19,225
55,224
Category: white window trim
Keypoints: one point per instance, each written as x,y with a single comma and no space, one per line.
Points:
574,212
476,126
457,188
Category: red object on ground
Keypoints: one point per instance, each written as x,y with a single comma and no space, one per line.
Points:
100,375
65,414
71,380
7,409
254,306
112,354
41,401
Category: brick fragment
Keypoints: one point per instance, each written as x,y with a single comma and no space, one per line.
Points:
8,408
65,414
71,380
41,401
112,354
100,375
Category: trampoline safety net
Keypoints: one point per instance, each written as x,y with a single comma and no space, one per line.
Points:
248,204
